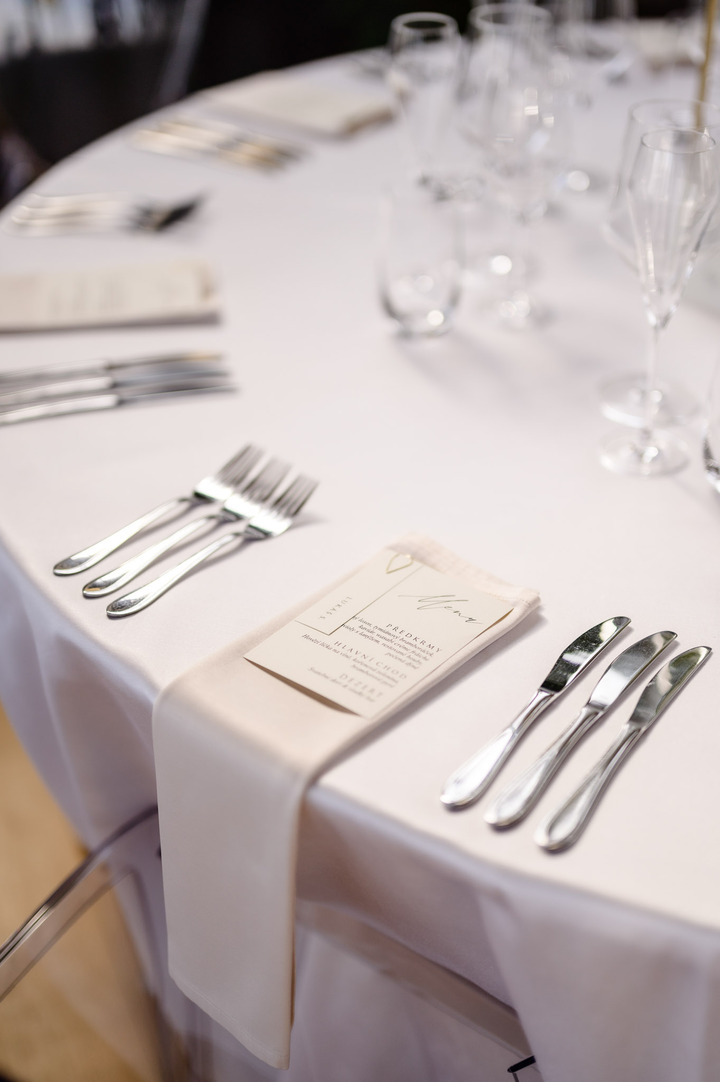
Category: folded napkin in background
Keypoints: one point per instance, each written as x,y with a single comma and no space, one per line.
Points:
666,43
315,106
235,750
173,291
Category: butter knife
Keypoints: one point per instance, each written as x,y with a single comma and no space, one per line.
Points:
565,825
473,778
515,801
53,373
88,403
115,380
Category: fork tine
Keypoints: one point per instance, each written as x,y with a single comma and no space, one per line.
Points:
240,464
295,496
262,485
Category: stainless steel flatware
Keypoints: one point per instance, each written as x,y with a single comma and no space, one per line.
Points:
565,826
220,133
148,366
41,215
243,504
271,521
215,139
121,380
516,800
211,489
122,396
466,784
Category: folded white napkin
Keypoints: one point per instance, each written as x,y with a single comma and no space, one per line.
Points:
310,104
235,750
171,291
665,43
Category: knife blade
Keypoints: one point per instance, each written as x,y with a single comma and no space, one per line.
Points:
466,784
126,377
53,373
517,799
144,393
564,826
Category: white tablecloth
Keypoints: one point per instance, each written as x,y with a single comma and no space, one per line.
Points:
485,440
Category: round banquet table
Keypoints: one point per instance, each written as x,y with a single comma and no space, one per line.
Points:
484,439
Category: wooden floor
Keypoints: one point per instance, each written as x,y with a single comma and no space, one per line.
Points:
81,1014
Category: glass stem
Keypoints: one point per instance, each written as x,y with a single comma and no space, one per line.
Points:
521,246
651,394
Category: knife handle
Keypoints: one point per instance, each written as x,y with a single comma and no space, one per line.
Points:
92,555
130,569
58,408
474,777
565,826
521,795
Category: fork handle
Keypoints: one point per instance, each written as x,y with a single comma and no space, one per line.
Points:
130,569
145,595
92,555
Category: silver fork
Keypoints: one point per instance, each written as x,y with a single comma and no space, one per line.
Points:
271,521
215,488
241,505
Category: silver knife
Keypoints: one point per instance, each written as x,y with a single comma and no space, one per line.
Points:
471,780
145,392
565,825
51,373
127,377
515,801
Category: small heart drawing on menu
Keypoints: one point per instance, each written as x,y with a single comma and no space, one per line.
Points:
399,562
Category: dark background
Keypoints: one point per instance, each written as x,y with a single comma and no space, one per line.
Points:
53,103
243,36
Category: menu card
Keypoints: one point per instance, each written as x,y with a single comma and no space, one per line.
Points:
383,630
168,291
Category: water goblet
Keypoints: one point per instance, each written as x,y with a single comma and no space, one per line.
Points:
512,111
672,191
623,398
420,259
425,49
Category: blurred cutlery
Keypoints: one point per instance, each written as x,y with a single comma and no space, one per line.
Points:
121,380
102,400
60,214
215,139
151,365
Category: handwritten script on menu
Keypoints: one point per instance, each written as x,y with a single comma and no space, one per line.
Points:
381,632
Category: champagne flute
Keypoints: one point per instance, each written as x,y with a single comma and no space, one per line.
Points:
424,49
511,109
623,398
672,192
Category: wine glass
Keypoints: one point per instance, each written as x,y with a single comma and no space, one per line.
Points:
511,109
672,191
424,49
623,399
